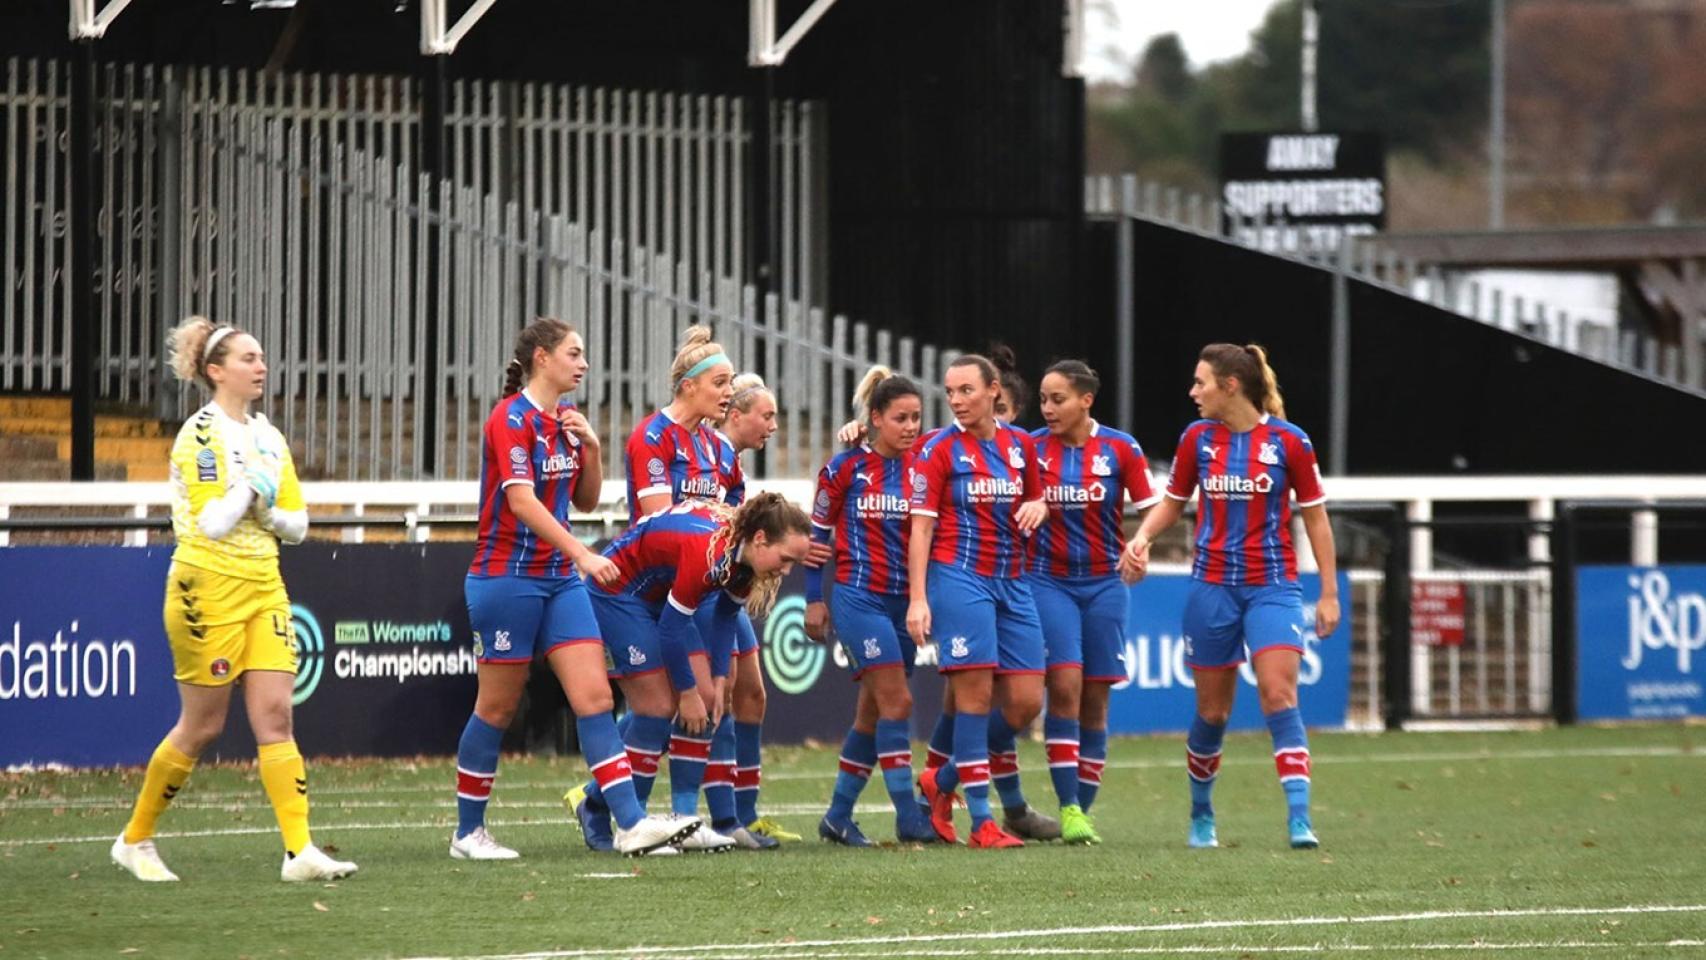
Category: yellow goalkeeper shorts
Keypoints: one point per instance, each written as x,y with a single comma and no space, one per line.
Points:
220,626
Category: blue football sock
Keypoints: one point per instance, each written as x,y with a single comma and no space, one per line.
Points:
476,768
1004,761
602,747
971,762
894,753
720,777
1202,761
1291,758
941,741
688,753
858,756
1092,758
647,738
749,769
1061,734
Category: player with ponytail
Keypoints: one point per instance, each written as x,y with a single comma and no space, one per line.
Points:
540,462
1247,461
861,519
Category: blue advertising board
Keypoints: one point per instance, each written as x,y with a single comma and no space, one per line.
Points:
1159,694
85,676
1639,638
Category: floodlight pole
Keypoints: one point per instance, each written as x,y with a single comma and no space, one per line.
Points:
86,25
1311,43
1496,124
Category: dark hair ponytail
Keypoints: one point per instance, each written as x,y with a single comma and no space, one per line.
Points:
1249,365
544,333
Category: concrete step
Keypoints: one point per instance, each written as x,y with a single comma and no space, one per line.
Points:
124,449
105,426
36,471
21,449
35,405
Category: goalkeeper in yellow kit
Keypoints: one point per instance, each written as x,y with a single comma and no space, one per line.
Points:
235,496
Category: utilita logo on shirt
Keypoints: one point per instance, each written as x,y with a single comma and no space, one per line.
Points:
1226,486
558,464
1064,495
881,505
992,489
701,486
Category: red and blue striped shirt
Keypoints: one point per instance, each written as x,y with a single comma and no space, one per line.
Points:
974,488
663,456
669,556
524,444
862,497
1243,533
1086,489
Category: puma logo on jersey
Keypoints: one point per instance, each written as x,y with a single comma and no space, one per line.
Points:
1045,462
869,478
968,461
1209,453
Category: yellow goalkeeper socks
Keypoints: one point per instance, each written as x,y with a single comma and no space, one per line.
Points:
168,770
286,782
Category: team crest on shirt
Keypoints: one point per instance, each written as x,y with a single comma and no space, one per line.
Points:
636,657
823,499
220,668
873,650
1100,467
206,466
919,484
1269,454
500,641
1015,458
517,456
958,649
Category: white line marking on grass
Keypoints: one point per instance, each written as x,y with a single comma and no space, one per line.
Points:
1191,950
782,809
1257,758
768,950
247,831
608,876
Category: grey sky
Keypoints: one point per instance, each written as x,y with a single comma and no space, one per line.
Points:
1117,30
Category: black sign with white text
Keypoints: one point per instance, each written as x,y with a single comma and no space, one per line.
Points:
1302,192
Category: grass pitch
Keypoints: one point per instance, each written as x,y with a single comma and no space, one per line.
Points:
1575,842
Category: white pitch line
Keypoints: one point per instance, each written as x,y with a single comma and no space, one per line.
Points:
783,809
768,950
1256,759
1196,949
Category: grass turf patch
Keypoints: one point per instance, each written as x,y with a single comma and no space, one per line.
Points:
1525,841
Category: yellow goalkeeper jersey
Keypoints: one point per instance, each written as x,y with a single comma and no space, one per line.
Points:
209,458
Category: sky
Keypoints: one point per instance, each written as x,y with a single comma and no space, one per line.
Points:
1116,31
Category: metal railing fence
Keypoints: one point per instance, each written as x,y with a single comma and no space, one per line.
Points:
292,205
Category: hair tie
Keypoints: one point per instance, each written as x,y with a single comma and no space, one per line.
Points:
704,365
213,341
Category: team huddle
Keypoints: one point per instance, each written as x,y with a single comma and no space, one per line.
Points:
1005,549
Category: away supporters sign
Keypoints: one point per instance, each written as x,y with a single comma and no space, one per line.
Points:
1302,192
